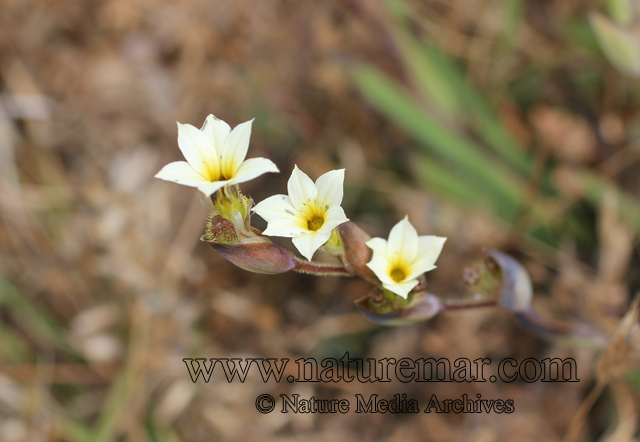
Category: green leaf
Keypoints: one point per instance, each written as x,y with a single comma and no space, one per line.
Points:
619,45
628,206
504,189
620,10
36,321
439,178
440,80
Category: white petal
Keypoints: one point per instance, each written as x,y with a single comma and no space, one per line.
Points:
403,241
235,149
301,189
217,131
307,244
334,217
198,151
210,188
402,288
429,248
378,245
419,268
253,168
181,172
380,266
330,189
286,227
274,207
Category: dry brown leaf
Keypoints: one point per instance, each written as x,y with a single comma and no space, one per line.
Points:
624,352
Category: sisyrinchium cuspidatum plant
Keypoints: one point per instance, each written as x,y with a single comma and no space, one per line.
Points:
312,216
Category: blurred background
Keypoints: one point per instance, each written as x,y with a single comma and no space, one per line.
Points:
509,124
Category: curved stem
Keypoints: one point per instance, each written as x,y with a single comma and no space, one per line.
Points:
583,412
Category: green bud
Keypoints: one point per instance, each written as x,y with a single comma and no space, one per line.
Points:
395,310
229,200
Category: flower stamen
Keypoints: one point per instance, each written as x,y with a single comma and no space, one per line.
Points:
315,223
397,274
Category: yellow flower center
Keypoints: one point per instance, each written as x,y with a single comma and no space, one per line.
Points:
315,223
212,172
397,274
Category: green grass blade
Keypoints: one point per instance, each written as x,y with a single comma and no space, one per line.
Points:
394,102
34,319
437,177
439,79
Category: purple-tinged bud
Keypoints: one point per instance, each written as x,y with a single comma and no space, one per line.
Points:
516,291
247,249
356,254
502,277
257,256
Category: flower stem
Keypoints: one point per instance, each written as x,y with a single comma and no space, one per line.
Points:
319,268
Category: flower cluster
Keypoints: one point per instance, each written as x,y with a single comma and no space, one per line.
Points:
311,215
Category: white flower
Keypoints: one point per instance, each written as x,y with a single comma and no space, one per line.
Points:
400,261
215,157
309,213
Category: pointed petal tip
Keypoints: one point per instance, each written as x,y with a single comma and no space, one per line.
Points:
397,290
271,166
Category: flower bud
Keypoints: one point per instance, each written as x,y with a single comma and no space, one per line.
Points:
395,310
229,201
247,249
258,257
516,289
356,254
